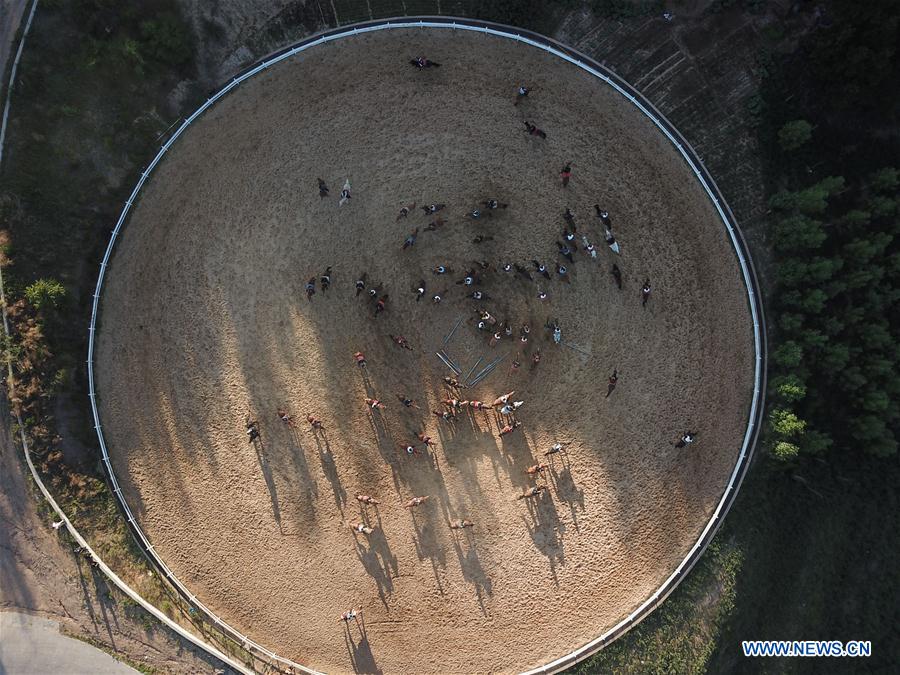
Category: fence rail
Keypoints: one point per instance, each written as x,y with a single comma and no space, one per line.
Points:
689,155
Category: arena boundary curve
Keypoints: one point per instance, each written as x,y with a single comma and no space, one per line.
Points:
689,155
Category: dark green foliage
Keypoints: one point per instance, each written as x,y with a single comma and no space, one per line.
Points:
45,294
854,60
836,303
815,442
798,233
885,181
789,354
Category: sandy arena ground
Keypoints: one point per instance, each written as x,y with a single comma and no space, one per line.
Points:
204,316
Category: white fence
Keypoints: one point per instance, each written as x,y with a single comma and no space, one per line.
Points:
598,71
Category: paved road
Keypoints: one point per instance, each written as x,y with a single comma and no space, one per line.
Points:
30,644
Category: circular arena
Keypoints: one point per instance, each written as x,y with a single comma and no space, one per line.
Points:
205,323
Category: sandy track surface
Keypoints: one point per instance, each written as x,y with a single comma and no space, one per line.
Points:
204,316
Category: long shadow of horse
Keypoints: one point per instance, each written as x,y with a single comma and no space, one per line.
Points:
427,544
565,488
518,456
472,569
290,482
360,651
546,530
260,449
380,563
329,468
306,480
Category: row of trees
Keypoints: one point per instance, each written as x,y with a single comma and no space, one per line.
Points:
837,298
835,235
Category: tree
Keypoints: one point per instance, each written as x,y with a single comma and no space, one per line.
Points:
790,323
822,269
814,301
836,242
856,219
786,424
871,432
790,388
788,355
784,451
798,233
44,293
885,180
794,135
814,199
813,339
815,442
835,357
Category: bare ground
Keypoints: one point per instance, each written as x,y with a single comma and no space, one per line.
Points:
204,317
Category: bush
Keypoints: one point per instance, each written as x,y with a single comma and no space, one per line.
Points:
784,451
45,293
786,424
790,388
